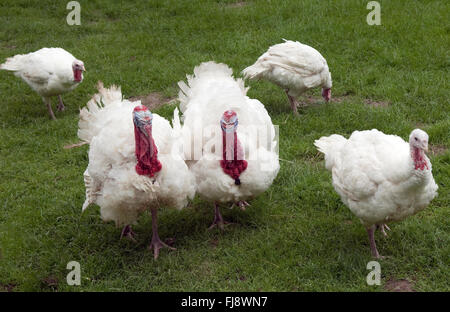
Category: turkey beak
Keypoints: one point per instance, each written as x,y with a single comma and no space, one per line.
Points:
82,68
425,146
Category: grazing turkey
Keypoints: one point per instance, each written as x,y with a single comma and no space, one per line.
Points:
49,72
134,161
295,67
380,177
228,161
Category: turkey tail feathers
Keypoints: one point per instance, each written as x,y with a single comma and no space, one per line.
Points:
330,146
88,123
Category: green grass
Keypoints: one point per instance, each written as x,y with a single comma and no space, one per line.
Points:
298,236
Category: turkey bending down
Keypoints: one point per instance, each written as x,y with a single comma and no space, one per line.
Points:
49,72
295,67
134,161
230,164
380,177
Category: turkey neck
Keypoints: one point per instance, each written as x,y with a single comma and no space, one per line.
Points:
418,157
146,151
232,162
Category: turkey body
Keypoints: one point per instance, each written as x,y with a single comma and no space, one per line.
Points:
48,71
376,176
111,179
293,66
209,93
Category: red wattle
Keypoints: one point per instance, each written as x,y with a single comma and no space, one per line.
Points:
232,162
77,75
146,154
419,159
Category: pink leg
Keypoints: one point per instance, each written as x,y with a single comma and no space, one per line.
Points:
293,102
49,107
128,233
373,246
218,219
156,243
61,106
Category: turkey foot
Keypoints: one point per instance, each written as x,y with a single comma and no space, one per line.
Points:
156,243
128,233
382,227
218,219
242,204
61,106
293,102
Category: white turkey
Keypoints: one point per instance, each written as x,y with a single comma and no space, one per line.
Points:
295,67
380,177
230,164
134,161
49,72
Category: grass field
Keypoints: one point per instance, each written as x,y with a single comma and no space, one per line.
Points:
298,236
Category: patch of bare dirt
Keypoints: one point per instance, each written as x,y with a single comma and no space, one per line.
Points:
152,100
239,4
377,103
437,149
401,285
312,99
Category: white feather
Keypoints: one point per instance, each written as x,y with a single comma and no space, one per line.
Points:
208,93
293,66
375,177
111,180
47,71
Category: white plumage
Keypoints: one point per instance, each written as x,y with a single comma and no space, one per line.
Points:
48,71
111,178
293,66
380,177
210,92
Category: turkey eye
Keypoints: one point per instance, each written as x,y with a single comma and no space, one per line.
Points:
415,139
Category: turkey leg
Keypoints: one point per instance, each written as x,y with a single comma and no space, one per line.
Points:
156,243
293,102
128,233
49,107
373,246
61,106
218,219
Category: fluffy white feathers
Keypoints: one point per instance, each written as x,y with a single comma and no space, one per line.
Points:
375,176
210,92
47,71
111,179
293,66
